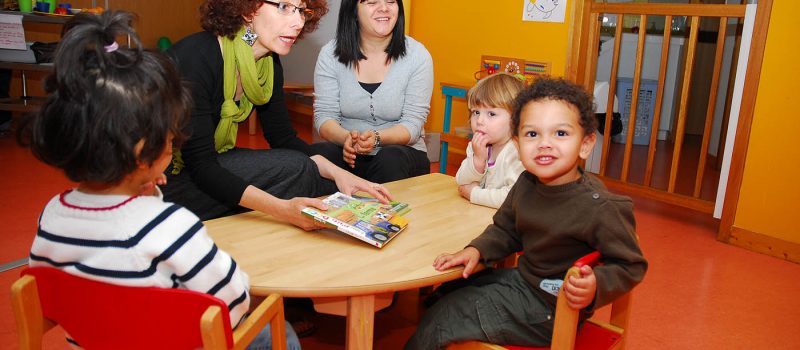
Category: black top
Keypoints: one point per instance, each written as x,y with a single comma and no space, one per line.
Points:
370,87
199,60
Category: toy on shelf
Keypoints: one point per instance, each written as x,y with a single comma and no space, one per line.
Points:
521,68
96,10
163,43
63,9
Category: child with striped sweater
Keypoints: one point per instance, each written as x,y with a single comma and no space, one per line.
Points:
110,122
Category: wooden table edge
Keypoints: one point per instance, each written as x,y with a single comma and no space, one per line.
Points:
373,289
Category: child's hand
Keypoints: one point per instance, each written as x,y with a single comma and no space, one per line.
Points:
149,188
480,151
349,149
466,190
468,257
580,291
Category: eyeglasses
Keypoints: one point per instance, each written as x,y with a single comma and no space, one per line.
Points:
286,8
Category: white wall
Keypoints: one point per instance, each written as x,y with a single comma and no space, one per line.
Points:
298,65
722,89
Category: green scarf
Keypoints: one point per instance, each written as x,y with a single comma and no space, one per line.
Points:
257,78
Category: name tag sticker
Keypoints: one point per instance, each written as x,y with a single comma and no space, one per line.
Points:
551,286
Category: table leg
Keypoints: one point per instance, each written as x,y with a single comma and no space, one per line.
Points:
360,322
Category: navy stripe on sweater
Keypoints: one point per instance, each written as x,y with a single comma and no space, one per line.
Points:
238,300
128,274
200,265
224,281
130,242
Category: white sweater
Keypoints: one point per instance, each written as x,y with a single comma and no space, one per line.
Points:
144,242
495,181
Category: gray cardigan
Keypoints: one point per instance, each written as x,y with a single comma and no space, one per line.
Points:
403,97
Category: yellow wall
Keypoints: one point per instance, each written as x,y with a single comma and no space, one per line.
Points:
770,196
457,33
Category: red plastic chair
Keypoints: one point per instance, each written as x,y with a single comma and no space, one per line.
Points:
566,335
99,315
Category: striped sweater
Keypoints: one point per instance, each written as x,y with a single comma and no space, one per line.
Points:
143,242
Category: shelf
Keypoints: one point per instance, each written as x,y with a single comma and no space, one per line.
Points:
19,104
31,67
28,103
34,18
23,104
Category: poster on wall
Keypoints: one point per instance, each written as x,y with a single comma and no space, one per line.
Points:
12,36
544,10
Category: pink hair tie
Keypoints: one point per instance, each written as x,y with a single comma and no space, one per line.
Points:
111,47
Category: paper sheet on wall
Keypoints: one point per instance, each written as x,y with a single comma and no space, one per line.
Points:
544,10
733,119
12,35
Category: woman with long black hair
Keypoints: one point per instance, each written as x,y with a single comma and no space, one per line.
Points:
372,88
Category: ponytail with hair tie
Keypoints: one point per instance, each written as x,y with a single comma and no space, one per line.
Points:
103,100
111,47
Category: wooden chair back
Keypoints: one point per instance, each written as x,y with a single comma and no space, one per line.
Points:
99,315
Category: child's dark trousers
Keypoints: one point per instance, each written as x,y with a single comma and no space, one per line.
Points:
495,306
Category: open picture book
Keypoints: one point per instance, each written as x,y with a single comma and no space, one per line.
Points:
362,217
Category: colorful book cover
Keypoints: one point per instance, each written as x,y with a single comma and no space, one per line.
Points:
362,217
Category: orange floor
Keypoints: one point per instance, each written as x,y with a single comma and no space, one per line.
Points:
698,293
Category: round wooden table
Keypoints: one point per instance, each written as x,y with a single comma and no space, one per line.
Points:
344,275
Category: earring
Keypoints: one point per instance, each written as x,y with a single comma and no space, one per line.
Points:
249,36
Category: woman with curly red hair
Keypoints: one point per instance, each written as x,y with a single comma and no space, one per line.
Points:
233,67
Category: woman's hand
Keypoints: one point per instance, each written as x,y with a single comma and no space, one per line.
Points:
291,211
348,183
480,150
580,291
466,190
468,257
349,151
366,142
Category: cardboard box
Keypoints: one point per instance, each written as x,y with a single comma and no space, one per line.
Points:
434,146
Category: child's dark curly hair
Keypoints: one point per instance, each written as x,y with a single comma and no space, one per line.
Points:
226,17
103,100
557,89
